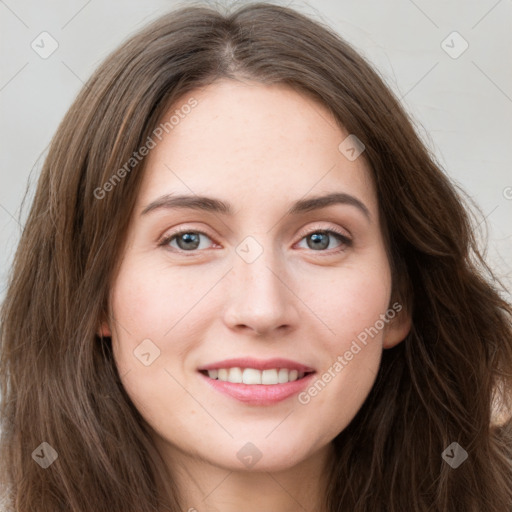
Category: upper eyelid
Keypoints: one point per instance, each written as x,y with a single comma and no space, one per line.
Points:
315,226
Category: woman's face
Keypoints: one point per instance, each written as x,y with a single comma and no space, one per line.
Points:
275,277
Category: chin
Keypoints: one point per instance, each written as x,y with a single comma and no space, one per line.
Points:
258,456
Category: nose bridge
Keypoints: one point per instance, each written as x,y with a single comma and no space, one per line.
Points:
260,298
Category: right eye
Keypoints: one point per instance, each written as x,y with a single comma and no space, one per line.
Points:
186,240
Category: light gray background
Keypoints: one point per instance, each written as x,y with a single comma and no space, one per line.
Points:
462,106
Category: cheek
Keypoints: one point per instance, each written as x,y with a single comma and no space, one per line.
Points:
350,301
151,332
353,309
149,302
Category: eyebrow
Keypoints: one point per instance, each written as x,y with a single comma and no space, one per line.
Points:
210,204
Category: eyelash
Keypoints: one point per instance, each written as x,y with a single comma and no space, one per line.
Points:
345,241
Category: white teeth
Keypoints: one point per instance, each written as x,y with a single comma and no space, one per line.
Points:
235,375
269,377
253,376
283,375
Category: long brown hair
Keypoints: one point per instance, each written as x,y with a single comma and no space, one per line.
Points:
59,383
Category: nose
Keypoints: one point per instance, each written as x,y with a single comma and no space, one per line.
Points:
261,297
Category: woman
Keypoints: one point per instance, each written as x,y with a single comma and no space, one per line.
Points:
244,284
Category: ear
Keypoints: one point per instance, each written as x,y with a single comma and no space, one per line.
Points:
397,329
104,329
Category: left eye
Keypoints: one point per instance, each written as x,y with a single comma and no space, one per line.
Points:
320,239
317,240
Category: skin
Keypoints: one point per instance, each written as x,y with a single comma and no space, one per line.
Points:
259,148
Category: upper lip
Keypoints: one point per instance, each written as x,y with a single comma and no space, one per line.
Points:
259,364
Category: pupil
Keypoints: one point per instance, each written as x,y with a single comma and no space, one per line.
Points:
187,239
318,242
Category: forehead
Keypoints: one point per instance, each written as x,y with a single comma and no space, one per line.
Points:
253,143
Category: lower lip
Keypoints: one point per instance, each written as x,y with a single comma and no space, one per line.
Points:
259,394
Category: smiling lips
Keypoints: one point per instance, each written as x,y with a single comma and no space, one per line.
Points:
255,381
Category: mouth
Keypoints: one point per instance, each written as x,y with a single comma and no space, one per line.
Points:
256,387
